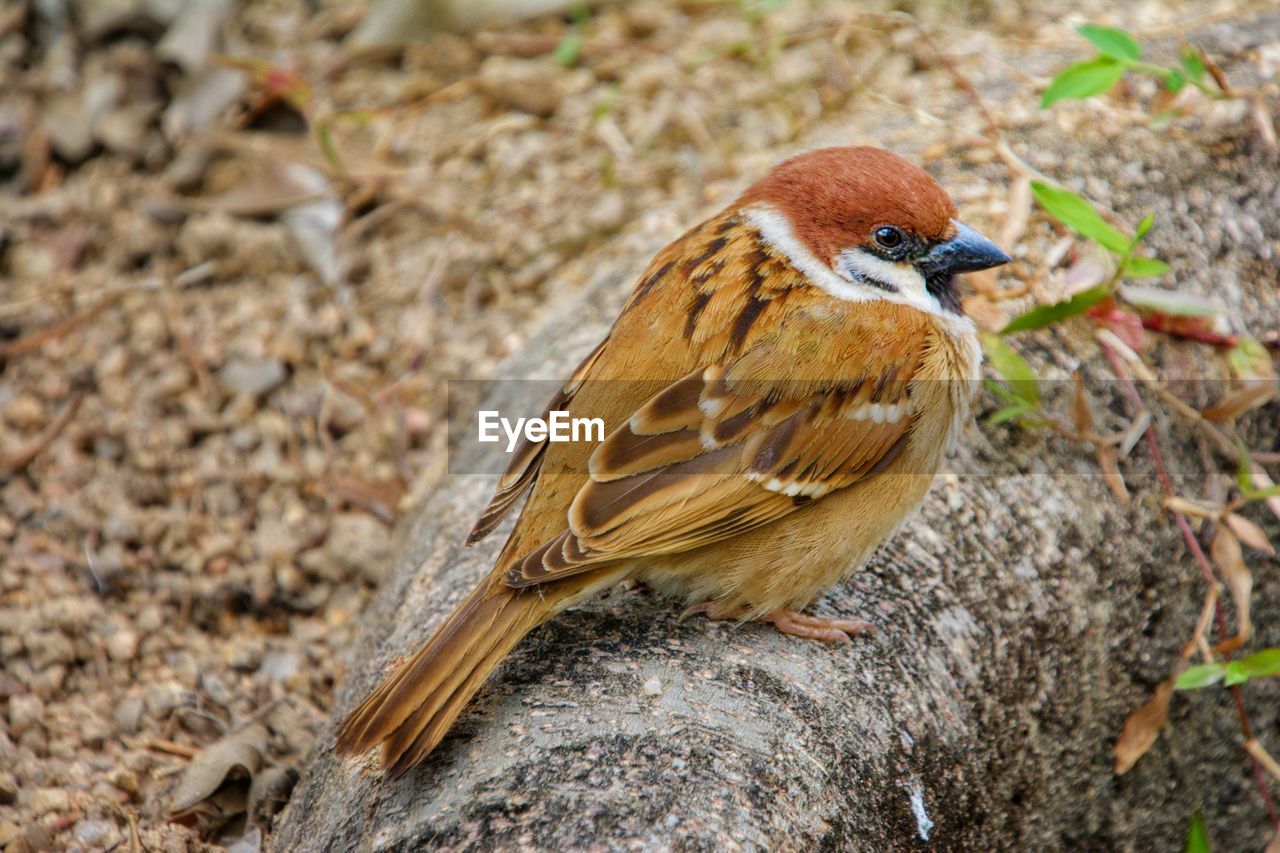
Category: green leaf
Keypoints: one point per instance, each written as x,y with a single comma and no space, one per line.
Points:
1163,119
1195,677
1249,359
1145,268
1244,476
1112,42
1150,299
1235,674
1083,80
1013,368
1047,315
1263,494
1175,81
324,138
1009,413
567,51
1244,473
999,389
1144,226
1078,215
1263,664
1192,64
1197,838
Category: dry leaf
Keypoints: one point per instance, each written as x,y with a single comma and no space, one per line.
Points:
1262,481
1190,508
1142,727
1230,561
1109,462
1274,845
1250,396
1249,533
250,842
1080,407
270,791
237,756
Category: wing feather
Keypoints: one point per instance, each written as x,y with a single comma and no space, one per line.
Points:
710,457
526,461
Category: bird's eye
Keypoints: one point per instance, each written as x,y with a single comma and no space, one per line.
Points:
887,237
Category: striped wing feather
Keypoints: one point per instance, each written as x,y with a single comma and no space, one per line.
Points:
712,456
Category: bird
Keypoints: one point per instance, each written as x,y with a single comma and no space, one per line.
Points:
778,393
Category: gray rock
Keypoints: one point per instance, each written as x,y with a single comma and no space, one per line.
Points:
252,377
358,543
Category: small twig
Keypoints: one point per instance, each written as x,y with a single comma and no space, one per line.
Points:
24,456
32,342
173,748
1197,640
21,306
135,841
1227,445
1255,748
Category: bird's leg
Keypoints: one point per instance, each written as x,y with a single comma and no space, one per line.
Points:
817,627
790,622
714,612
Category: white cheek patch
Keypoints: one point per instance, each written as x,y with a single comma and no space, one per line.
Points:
904,278
776,231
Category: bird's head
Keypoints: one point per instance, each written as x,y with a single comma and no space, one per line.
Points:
872,223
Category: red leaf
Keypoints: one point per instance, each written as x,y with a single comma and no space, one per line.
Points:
1125,325
1193,328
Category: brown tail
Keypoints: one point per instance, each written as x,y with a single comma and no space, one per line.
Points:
413,709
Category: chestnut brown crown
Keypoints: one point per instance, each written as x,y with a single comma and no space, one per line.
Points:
835,198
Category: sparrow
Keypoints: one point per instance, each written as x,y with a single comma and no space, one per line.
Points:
778,393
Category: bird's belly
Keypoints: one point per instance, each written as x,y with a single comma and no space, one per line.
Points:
792,561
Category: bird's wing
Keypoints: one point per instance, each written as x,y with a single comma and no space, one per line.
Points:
720,452
523,468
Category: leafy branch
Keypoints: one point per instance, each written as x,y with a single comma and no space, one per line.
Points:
1119,52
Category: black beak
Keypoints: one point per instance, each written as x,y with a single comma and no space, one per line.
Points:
968,251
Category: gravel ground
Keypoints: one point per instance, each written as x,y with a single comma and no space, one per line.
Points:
224,339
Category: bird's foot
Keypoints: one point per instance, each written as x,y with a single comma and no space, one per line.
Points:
817,627
791,622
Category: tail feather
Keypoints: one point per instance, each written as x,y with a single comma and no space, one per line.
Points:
428,736
413,709
408,699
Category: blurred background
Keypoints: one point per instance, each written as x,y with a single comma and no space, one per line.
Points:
243,246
